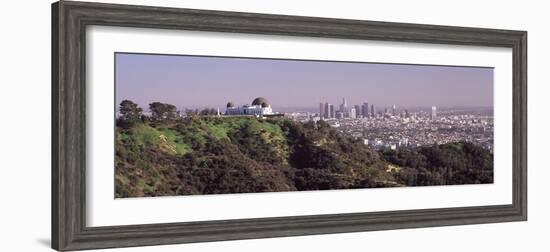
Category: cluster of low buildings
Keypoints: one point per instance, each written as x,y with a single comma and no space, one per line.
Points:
398,132
393,128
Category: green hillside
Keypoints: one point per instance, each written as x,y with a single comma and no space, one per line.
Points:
213,155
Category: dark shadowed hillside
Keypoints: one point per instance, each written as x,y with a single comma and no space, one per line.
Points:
214,155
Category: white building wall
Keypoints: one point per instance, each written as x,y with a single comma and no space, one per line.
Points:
249,110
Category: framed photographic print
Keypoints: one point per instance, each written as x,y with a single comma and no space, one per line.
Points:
178,125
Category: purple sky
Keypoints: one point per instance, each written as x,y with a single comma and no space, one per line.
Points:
197,82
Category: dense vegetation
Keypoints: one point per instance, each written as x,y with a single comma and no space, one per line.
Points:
167,155
447,164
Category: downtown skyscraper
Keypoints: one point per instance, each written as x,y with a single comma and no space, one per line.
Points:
358,110
328,110
344,105
365,109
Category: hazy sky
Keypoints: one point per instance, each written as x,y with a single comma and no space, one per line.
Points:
197,82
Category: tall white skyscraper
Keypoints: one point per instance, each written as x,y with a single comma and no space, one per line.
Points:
433,116
353,113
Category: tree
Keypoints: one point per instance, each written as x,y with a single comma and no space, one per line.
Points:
163,112
191,112
208,111
130,113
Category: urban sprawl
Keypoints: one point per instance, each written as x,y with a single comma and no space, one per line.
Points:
400,128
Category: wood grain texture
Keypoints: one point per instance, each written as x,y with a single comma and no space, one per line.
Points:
69,20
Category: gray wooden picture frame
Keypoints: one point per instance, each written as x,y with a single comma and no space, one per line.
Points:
69,21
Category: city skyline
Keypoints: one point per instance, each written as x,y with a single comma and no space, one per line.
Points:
197,81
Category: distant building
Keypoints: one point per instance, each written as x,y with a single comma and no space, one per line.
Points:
352,113
344,105
331,110
260,106
393,110
365,109
321,109
433,115
372,112
358,111
327,110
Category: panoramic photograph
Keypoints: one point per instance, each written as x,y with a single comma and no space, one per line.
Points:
200,125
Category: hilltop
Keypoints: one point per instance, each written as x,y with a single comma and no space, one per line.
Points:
214,155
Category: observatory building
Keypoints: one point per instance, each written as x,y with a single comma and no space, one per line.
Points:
260,107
